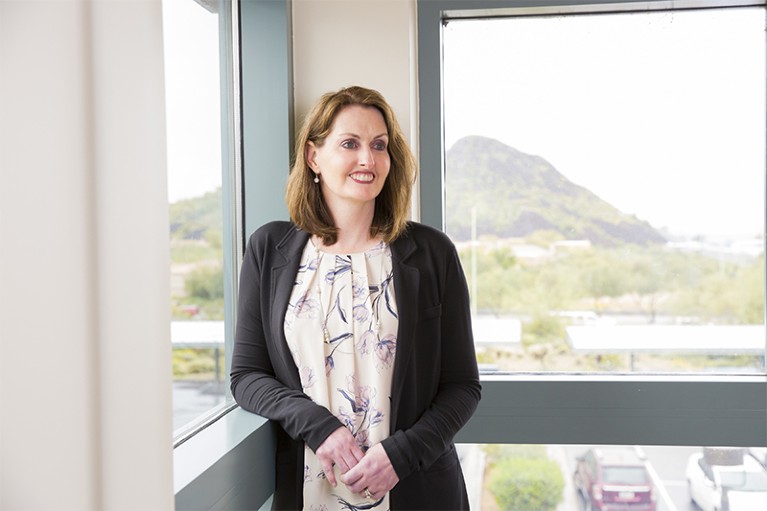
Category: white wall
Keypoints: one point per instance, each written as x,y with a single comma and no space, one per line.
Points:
337,43
85,378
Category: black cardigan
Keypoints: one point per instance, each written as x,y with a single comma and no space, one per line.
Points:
435,386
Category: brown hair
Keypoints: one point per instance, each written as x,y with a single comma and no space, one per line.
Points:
304,199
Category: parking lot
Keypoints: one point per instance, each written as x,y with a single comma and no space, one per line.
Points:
667,469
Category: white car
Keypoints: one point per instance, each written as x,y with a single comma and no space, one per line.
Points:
739,483
760,453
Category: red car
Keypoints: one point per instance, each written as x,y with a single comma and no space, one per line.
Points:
614,479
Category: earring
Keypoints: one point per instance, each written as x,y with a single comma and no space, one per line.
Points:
316,178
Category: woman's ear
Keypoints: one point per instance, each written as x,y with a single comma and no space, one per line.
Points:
310,155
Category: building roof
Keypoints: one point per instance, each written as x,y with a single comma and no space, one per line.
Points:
197,334
704,339
488,329
497,330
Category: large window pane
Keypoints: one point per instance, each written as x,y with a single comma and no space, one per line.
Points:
605,183
605,477
191,31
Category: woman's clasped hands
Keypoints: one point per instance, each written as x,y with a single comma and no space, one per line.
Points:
369,474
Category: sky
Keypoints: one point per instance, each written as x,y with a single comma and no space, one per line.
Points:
192,98
661,114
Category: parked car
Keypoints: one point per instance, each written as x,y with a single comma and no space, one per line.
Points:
614,479
726,480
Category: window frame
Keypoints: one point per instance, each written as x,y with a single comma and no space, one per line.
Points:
573,408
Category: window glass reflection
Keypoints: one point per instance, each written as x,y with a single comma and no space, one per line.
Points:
605,182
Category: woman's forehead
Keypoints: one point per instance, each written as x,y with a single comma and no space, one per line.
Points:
356,118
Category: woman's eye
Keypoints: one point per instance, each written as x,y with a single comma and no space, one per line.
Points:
349,144
379,145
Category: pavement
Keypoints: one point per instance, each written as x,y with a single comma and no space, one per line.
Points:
191,399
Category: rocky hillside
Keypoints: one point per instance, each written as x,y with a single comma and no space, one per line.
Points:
517,194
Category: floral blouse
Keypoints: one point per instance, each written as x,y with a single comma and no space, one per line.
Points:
341,328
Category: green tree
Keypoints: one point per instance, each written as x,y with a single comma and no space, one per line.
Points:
602,274
750,281
206,283
526,484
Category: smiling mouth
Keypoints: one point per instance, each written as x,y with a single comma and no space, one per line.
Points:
362,177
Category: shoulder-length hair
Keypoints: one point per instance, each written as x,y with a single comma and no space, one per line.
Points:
306,205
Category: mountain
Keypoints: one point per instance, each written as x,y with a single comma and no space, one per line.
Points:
517,194
196,218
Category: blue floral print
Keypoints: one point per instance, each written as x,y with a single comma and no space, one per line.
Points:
360,416
342,323
363,505
385,350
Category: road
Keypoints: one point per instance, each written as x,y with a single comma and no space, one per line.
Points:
666,466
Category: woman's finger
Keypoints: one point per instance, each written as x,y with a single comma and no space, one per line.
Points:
375,471
330,475
352,456
352,478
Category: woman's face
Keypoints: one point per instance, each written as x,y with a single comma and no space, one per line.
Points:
353,162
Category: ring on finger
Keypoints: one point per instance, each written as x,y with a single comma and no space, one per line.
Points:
368,495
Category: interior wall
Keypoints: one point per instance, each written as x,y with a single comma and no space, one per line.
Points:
337,43
85,379
46,286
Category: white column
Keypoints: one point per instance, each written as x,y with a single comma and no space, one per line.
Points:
85,373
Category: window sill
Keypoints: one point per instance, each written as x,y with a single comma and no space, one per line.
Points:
717,410
230,462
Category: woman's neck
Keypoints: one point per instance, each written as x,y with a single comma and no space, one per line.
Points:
353,231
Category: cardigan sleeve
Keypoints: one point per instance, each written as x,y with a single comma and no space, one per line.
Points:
255,384
458,391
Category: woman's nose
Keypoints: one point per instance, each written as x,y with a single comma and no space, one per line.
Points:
366,158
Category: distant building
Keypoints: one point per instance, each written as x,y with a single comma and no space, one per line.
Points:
571,245
723,340
498,331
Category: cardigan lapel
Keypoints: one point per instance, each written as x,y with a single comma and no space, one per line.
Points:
283,278
406,283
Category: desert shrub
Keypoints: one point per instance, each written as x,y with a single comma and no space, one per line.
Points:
190,362
526,484
206,283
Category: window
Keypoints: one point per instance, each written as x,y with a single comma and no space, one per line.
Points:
567,406
546,409
255,130
200,223
601,477
604,182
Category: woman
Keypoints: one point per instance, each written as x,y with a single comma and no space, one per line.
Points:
353,330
